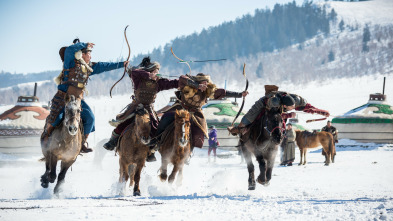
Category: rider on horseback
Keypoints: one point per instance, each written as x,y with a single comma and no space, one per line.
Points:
192,95
147,84
77,68
279,101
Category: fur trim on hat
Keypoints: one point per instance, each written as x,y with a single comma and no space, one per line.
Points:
201,77
78,56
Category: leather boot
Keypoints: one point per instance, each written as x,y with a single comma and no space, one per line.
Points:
112,143
151,157
85,145
46,134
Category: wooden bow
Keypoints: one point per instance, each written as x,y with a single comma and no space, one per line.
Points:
128,58
181,60
244,98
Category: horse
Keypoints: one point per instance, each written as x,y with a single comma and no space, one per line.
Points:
305,140
262,140
64,144
133,149
176,147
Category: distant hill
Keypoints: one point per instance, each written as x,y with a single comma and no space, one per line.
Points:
290,44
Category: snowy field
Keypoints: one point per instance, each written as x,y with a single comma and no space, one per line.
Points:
356,187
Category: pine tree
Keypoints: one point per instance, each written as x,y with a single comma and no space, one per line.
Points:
341,25
366,38
331,56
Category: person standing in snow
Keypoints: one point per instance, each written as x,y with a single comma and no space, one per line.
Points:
288,146
213,142
77,69
330,129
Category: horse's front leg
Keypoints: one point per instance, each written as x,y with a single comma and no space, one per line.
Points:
163,169
305,156
250,168
52,165
137,178
44,177
179,179
172,177
60,179
262,167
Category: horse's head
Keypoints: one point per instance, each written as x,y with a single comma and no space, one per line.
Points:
142,123
182,127
273,126
72,113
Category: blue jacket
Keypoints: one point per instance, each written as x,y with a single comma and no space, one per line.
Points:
213,134
69,62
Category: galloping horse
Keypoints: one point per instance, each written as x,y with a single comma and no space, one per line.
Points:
175,148
64,144
305,140
133,149
262,140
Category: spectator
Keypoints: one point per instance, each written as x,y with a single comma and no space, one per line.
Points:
288,146
213,142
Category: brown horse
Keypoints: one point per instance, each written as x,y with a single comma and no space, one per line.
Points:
305,140
64,144
262,140
175,148
133,149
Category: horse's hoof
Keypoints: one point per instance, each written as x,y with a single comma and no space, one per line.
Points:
326,164
260,181
251,187
52,178
299,164
266,183
163,177
137,193
44,185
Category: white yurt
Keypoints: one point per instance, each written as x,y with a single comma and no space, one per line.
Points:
371,122
22,125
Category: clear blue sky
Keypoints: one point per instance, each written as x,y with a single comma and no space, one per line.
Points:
33,31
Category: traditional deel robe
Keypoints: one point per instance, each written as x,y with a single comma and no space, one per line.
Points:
73,81
331,130
289,146
192,99
145,93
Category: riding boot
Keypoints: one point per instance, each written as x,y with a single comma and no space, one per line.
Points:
112,143
239,129
46,134
85,145
151,157
153,143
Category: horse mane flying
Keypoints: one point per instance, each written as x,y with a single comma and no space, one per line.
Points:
256,131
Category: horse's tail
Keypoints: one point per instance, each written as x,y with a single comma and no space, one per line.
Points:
42,159
331,145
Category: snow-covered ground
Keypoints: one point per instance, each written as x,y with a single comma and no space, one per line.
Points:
356,187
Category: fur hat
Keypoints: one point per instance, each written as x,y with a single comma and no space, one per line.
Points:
149,66
288,100
201,77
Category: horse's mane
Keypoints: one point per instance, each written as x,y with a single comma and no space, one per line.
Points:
255,133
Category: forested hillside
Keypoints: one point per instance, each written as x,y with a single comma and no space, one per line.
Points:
288,44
